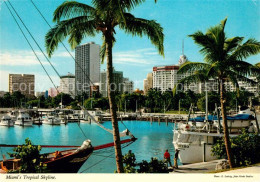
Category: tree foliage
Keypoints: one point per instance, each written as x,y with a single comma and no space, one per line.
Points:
153,166
31,160
245,147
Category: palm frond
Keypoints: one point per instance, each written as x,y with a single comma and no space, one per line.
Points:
192,66
77,28
249,48
196,77
140,27
232,43
234,78
71,9
241,67
103,52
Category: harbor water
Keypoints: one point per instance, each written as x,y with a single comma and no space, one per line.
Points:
153,139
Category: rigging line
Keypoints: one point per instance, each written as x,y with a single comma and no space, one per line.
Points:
62,43
81,130
104,158
34,51
42,51
33,39
67,49
30,44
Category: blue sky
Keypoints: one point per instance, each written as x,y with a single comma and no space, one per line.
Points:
133,55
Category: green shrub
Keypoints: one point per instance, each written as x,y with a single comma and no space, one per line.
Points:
154,166
31,160
245,148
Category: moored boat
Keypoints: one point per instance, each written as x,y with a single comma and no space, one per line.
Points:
6,121
196,137
66,161
51,119
23,119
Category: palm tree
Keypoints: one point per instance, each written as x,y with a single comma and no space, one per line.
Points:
224,61
77,21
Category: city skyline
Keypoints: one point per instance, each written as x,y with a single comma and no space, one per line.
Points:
131,55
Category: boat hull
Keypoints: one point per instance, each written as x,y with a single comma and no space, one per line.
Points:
3,123
25,123
69,164
51,122
193,147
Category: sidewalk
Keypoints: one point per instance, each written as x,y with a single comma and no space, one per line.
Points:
205,167
202,167
253,169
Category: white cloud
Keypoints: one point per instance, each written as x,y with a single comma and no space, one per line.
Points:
26,58
19,58
138,57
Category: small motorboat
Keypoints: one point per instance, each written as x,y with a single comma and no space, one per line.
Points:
23,119
51,119
6,121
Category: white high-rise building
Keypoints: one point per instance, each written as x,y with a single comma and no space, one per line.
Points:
166,77
87,67
67,84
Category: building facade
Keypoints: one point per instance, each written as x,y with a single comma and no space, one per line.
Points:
67,84
52,92
117,82
87,67
167,77
148,83
128,86
24,83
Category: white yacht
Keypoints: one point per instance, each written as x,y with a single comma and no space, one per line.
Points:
6,121
23,119
63,118
51,119
196,137
13,115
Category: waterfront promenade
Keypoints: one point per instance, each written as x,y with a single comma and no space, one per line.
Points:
209,167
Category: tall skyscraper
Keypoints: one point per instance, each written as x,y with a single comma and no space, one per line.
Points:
87,67
22,82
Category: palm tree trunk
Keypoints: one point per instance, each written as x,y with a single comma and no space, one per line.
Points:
225,125
112,104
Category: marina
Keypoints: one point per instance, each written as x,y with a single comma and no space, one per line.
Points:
152,140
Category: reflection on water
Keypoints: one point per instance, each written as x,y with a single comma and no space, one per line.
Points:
152,141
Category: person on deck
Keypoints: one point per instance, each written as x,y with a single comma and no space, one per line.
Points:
167,158
176,155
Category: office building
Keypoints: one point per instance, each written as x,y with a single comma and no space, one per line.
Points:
117,82
24,83
148,83
87,67
128,86
67,84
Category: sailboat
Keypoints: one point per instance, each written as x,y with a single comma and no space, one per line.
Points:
66,161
